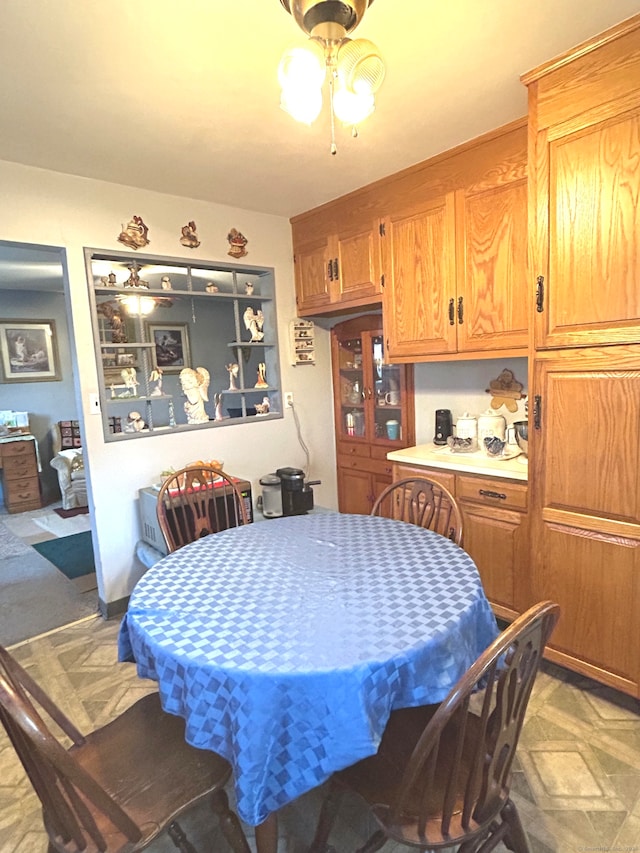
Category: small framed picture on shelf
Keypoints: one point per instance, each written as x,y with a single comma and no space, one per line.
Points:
171,346
126,359
29,351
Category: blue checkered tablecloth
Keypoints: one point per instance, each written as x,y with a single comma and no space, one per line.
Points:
285,645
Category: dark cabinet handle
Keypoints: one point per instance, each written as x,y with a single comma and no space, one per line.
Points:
452,312
335,269
330,270
537,411
460,309
540,294
487,494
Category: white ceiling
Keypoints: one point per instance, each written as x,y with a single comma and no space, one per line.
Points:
183,98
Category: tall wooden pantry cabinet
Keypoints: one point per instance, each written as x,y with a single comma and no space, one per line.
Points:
584,468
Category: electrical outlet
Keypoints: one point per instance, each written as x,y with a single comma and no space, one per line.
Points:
288,399
94,404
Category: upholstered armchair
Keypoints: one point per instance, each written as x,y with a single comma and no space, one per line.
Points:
69,464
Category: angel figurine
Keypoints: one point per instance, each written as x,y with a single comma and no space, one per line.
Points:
253,323
130,381
262,371
156,377
195,386
233,373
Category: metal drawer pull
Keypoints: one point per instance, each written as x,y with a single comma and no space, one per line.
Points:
487,494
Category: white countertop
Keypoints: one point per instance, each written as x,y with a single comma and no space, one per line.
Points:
478,462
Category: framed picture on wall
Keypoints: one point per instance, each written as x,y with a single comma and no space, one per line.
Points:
171,346
29,351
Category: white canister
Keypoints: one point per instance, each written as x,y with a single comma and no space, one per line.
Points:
491,425
467,427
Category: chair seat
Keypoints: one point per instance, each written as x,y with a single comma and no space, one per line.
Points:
152,781
377,779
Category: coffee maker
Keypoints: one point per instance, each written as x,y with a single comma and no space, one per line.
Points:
297,496
444,426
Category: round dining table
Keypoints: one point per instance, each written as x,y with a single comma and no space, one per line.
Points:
286,644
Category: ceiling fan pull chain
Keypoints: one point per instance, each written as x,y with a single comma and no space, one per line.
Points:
334,147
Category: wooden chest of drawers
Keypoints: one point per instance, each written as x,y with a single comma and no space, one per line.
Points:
20,481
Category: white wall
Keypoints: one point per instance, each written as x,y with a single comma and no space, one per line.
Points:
461,386
53,209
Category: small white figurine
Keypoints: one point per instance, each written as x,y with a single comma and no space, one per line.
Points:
135,422
165,283
263,407
233,373
156,377
248,288
130,382
253,323
195,385
211,287
217,399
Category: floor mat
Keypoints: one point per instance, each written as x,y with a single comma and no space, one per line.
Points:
73,555
71,513
63,526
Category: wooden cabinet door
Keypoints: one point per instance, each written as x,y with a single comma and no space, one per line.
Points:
358,262
493,284
420,280
355,491
585,482
497,541
588,250
314,275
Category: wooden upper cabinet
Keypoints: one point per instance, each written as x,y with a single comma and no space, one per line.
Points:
314,284
585,186
418,254
358,261
337,261
455,260
492,272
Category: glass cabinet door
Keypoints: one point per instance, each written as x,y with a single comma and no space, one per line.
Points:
387,394
352,390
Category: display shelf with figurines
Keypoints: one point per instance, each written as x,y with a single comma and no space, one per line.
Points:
165,331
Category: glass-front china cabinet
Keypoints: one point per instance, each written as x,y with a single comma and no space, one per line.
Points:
374,410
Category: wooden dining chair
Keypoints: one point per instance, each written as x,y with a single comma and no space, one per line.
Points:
424,502
441,776
197,501
118,788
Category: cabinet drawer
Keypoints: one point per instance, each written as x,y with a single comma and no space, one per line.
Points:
353,448
498,493
361,463
17,491
15,468
11,449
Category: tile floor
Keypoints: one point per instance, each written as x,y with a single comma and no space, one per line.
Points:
577,782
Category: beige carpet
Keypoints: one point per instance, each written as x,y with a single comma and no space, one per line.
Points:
35,596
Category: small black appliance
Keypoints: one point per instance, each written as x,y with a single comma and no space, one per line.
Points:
297,496
444,426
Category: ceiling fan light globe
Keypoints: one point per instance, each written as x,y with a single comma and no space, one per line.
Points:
302,104
302,66
360,66
352,108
